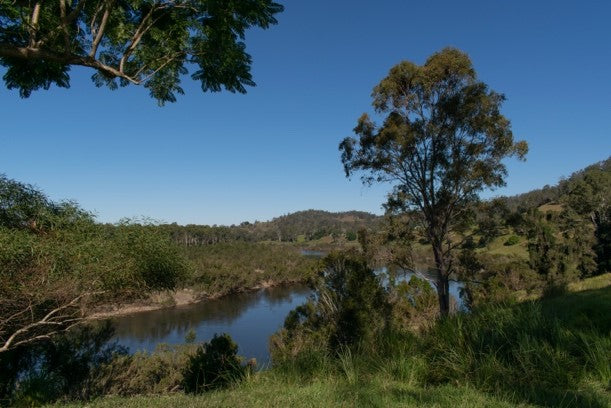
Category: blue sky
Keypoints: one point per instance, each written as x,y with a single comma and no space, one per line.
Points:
224,158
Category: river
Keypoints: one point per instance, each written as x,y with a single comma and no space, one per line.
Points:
250,318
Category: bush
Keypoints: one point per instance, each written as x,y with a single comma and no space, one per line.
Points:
350,308
415,304
214,365
512,240
494,278
159,372
153,262
67,368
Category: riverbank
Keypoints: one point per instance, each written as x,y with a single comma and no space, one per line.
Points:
178,298
546,352
219,270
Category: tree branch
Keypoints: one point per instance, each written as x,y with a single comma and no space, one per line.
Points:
137,37
101,28
58,323
27,53
34,24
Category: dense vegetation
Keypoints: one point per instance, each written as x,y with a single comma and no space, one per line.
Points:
550,352
536,280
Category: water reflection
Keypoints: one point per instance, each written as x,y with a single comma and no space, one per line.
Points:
250,318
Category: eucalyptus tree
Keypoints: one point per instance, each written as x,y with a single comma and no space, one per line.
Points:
441,142
142,42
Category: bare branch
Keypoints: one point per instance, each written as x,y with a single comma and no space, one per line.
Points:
173,58
64,25
101,28
55,321
34,24
137,37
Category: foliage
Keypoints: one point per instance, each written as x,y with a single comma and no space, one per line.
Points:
131,42
236,266
589,197
494,279
22,206
349,309
559,257
214,365
159,372
512,240
155,263
552,352
308,225
491,220
576,212
442,142
56,264
414,304
66,368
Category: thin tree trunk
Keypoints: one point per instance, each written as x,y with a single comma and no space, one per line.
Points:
442,283
443,293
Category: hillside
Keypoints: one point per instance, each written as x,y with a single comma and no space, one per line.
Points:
551,194
299,226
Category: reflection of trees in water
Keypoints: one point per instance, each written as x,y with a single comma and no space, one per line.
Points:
158,324
282,294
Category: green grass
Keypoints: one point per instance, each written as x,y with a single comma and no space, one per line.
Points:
498,247
550,352
329,392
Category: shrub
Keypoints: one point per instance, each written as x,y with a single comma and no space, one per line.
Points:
350,308
214,365
159,372
414,304
66,368
512,240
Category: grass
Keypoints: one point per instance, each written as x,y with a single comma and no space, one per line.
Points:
550,352
327,392
498,247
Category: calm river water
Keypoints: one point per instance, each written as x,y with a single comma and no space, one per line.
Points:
250,318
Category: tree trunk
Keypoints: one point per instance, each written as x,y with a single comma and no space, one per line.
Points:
442,283
443,293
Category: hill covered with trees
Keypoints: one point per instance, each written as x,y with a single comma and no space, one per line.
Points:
301,226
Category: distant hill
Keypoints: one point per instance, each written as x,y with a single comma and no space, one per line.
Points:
315,224
310,225
299,226
551,194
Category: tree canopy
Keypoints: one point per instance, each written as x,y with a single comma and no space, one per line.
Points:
442,141
144,42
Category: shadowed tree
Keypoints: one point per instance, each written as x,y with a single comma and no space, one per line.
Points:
141,42
442,141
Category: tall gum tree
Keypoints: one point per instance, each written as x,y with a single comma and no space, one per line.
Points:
442,141
141,42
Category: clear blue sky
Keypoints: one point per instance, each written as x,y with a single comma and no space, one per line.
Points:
224,158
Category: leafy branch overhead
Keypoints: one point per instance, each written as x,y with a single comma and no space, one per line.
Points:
141,42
